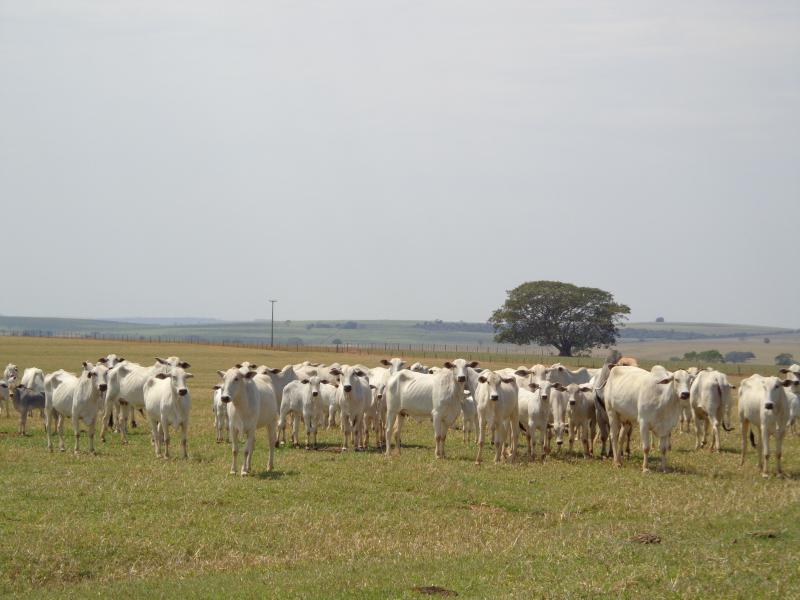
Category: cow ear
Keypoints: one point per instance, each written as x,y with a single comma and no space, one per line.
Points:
304,381
221,374
162,376
372,387
359,373
522,372
508,380
120,359
585,389
783,371
733,387
250,375
184,365
665,381
85,364
385,362
274,371
323,381
102,359
161,360
448,365
217,387
474,364
3,384
335,372
238,365
787,382
431,371
533,386
188,375
482,379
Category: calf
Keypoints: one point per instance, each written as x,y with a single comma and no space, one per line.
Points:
711,405
580,413
220,416
763,404
353,396
10,373
533,414
25,401
497,401
304,400
167,404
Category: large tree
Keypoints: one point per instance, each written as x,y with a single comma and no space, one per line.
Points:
563,315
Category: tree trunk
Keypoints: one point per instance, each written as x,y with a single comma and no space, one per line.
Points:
565,350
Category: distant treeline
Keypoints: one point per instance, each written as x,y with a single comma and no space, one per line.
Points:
671,334
439,325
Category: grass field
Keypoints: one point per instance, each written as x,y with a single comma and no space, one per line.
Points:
327,524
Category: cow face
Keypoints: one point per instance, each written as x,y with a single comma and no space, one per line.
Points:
682,382
394,364
493,381
460,368
575,394
348,377
233,383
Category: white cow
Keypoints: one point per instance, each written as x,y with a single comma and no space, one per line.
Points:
167,404
33,379
251,406
303,399
711,405
418,367
633,395
126,394
394,364
436,396
534,415
469,416
763,404
220,411
353,396
10,373
110,360
581,415
280,378
497,401
77,397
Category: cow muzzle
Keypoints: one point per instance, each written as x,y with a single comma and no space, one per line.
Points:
461,379
494,397
348,388
684,395
225,399
572,402
182,392
315,394
769,406
103,387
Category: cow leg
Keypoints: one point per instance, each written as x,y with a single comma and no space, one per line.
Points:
165,433
234,450
764,462
76,428
438,435
586,440
628,432
778,451
271,439
745,428
390,419
481,434
156,436
715,441
185,439
644,431
613,421
60,427
498,437
512,427
295,431
23,422
571,435
90,431
664,446
48,422
122,421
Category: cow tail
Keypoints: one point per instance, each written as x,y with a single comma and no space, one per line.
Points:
752,439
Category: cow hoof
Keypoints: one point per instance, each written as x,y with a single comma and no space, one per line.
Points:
232,472
765,475
645,470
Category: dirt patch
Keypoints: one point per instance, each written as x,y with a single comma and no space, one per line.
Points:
646,538
433,590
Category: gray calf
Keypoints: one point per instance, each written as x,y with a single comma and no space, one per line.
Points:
25,400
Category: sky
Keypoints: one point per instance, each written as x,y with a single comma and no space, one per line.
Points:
398,159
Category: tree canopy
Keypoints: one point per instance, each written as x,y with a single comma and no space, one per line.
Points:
563,315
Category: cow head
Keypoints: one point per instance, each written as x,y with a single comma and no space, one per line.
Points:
233,383
178,377
394,364
460,368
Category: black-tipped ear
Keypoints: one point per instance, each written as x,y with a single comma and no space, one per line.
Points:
274,371
238,365
385,362
474,364
162,376
250,374
304,381
184,365
217,387
102,359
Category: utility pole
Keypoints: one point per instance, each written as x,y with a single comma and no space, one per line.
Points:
272,325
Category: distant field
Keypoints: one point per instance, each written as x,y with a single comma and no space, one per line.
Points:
359,525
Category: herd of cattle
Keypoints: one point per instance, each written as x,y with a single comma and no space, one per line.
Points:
542,403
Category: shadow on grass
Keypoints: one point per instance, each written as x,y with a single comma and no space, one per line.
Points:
273,475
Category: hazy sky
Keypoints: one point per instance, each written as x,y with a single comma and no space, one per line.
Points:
371,159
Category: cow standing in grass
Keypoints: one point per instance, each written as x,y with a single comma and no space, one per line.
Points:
764,406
